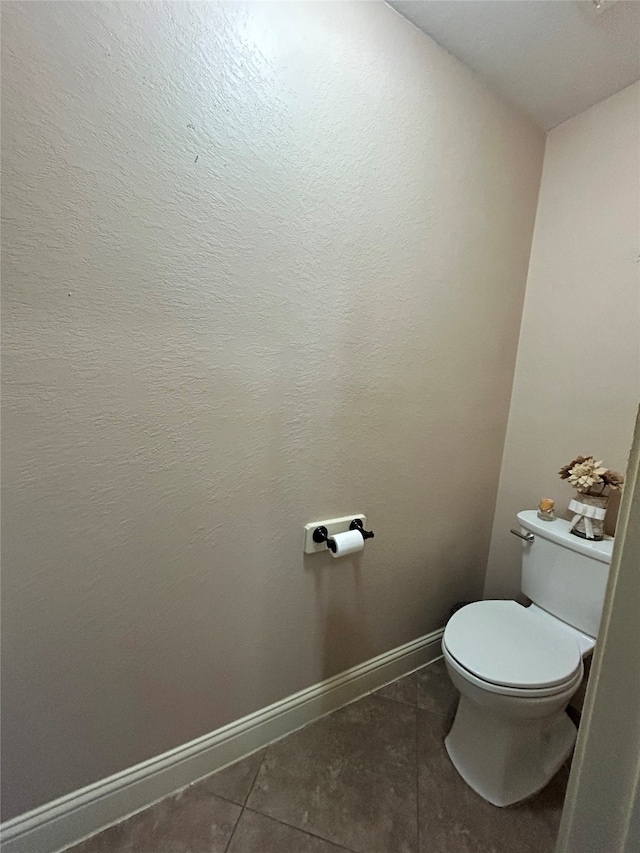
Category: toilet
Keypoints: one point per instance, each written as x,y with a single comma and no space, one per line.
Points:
517,667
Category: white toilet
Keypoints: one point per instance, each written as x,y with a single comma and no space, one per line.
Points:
517,667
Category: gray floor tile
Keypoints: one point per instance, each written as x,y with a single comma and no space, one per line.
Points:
192,821
402,690
256,833
234,782
454,819
350,778
347,782
435,690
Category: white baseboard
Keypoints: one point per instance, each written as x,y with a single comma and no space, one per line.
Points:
56,825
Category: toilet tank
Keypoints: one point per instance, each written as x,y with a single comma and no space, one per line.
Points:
564,574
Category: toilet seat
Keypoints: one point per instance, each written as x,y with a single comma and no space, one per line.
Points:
508,648
519,692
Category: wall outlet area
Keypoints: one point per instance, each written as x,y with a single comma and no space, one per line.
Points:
333,525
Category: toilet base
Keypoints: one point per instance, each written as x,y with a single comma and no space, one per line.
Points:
506,760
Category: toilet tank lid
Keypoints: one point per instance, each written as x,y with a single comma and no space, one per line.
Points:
559,531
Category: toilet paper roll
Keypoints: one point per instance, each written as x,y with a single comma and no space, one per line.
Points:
347,543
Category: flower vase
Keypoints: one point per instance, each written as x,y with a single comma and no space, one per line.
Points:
589,513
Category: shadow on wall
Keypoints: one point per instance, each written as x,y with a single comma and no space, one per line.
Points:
613,508
344,631
342,625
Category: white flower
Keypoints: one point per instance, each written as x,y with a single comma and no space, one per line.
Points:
585,474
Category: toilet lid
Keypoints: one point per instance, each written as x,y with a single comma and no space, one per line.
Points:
501,642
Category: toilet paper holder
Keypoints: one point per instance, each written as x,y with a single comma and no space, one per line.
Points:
320,534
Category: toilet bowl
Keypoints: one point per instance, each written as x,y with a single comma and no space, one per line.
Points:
516,672
517,667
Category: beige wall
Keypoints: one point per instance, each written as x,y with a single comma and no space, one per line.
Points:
262,265
577,379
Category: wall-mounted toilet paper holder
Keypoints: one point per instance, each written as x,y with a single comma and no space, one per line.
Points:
320,534
356,524
318,543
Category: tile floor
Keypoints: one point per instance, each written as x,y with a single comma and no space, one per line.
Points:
373,777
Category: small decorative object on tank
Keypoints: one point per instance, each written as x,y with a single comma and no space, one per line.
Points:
594,485
545,509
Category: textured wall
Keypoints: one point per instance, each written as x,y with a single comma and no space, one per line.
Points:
263,265
577,379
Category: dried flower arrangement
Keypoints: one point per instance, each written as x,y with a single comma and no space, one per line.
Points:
585,474
594,484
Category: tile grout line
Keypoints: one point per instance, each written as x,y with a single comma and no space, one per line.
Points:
244,803
375,694
390,699
251,787
303,831
233,831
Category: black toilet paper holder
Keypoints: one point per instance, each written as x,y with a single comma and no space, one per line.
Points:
321,534
356,524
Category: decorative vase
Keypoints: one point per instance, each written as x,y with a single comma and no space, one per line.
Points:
589,512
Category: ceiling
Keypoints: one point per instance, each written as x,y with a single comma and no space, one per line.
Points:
553,58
